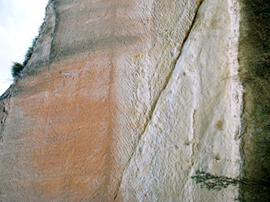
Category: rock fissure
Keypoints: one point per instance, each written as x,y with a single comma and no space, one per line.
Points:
4,107
53,32
193,136
159,95
3,119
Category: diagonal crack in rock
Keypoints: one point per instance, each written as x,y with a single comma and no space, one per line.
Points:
159,95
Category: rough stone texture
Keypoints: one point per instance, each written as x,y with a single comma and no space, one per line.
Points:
195,122
254,62
124,100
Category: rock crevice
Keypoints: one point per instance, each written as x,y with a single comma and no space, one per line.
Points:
153,107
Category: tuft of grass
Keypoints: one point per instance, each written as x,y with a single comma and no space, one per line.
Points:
213,182
29,52
16,69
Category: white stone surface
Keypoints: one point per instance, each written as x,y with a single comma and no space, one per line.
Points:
196,120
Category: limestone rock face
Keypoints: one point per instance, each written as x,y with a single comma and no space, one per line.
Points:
123,101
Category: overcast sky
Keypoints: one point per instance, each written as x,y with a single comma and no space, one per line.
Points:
19,24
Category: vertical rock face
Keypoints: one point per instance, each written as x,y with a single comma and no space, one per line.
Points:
124,100
254,54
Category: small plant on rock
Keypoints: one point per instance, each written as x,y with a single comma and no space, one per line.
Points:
213,182
16,69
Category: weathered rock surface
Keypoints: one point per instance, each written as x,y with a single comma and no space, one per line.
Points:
124,100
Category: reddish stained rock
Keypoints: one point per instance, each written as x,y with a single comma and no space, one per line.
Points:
71,134
67,104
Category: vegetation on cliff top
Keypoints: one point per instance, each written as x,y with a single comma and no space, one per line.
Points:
17,68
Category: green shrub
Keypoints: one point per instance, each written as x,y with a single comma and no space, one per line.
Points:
29,52
213,182
16,69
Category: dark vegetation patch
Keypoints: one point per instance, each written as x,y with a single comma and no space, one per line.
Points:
17,68
216,182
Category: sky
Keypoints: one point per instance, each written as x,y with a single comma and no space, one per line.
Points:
19,25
